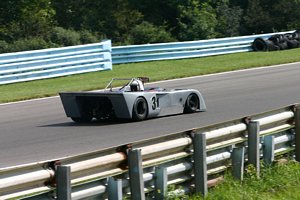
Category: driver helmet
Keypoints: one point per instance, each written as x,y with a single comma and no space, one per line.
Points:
136,85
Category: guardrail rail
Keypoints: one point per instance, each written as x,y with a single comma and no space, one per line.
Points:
180,50
194,159
55,62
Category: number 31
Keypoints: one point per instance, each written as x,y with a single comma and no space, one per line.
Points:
155,102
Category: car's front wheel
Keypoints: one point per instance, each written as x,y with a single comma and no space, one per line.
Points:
140,109
191,104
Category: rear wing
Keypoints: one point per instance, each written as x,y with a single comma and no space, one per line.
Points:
144,79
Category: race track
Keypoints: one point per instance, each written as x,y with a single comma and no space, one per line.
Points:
39,130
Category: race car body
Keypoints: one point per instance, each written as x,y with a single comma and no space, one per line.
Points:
132,101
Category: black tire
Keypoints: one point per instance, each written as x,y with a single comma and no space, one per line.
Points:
293,44
283,45
192,104
84,118
260,44
274,48
296,35
140,109
275,39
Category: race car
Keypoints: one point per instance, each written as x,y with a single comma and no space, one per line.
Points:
131,101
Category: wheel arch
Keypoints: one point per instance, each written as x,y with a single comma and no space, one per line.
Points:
202,105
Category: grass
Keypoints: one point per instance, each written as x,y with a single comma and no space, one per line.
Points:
278,182
157,70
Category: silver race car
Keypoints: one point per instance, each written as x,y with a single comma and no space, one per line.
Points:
131,101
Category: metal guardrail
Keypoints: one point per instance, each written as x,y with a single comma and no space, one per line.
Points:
193,159
179,50
55,62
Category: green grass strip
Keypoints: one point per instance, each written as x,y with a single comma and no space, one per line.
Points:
157,70
280,181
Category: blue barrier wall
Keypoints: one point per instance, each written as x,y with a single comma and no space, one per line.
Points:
179,50
49,63
55,62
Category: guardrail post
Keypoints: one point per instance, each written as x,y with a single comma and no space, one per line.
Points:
268,149
63,182
253,145
200,164
161,182
136,174
114,189
297,130
238,161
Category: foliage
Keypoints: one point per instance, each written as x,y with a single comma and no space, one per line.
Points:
87,37
28,44
228,19
71,22
257,20
65,37
280,181
148,33
3,46
25,18
196,21
176,193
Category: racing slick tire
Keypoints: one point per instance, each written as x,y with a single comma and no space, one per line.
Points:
140,109
86,117
191,104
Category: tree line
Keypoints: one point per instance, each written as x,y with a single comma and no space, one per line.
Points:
38,24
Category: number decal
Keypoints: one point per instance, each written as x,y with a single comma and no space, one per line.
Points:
155,103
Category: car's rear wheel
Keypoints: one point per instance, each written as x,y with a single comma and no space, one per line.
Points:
140,109
191,104
84,118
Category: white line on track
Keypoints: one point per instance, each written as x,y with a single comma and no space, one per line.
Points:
164,81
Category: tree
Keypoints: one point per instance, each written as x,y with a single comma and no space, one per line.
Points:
228,19
68,22
285,14
114,19
257,19
196,21
26,18
146,32
159,13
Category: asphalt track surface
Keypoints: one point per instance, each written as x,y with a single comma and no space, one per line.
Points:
38,130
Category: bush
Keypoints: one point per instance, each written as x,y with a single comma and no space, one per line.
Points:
65,37
28,44
196,21
148,33
3,46
59,37
87,37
